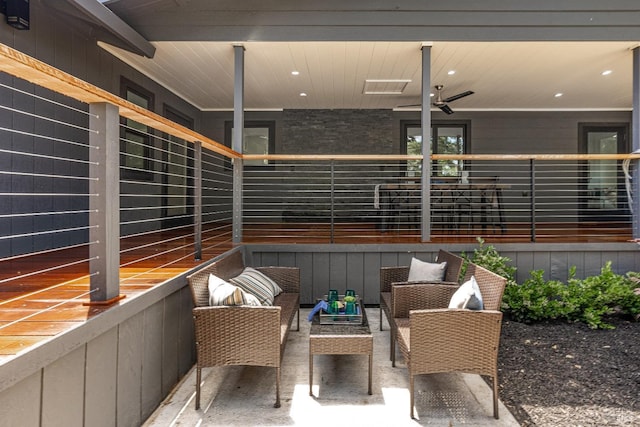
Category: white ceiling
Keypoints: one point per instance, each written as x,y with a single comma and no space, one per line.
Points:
503,75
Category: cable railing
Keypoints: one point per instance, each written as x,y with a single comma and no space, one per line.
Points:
564,198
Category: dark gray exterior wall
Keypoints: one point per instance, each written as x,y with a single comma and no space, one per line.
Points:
379,131
67,44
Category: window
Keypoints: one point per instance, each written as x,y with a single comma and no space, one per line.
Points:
446,137
259,138
135,146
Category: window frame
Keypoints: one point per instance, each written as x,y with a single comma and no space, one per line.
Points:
435,125
145,173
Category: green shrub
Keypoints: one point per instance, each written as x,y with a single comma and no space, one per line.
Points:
536,299
591,300
488,257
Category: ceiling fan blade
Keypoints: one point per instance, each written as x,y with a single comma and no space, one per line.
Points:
458,96
445,108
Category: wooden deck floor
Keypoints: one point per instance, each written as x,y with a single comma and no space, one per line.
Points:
45,294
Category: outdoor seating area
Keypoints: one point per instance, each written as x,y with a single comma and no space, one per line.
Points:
441,325
241,396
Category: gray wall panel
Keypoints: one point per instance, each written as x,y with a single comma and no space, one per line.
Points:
321,279
337,271
186,338
338,265
130,337
371,275
20,405
63,391
152,359
100,382
305,262
355,274
170,340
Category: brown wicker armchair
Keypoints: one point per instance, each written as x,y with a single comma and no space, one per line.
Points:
437,339
399,275
243,335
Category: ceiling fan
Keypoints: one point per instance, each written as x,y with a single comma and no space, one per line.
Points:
442,103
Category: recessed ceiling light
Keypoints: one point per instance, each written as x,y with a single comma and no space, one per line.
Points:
451,72
606,72
295,73
303,94
558,95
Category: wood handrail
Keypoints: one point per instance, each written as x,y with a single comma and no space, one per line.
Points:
37,72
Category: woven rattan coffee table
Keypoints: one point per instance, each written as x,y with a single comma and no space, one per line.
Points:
340,339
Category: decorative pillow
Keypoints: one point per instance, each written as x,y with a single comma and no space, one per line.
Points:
258,284
422,271
224,293
467,296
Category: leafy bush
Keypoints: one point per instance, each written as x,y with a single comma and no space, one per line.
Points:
488,257
590,300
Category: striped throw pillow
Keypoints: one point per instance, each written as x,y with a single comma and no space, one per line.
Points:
258,284
224,293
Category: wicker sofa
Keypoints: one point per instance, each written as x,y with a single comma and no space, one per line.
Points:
243,335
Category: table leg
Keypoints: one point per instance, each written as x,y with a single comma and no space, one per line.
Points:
370,371
310,374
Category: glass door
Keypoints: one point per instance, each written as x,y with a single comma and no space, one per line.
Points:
604,196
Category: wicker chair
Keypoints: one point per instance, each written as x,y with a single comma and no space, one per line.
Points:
243,335
399,276
437,339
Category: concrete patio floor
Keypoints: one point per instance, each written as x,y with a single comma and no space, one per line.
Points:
244,396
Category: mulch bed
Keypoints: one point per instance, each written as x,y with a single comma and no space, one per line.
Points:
560,374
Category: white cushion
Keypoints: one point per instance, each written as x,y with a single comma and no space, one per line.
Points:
422,271
467,296
258,284
224,293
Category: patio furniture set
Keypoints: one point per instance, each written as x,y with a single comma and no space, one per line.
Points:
440,323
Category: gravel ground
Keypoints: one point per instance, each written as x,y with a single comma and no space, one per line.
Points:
559,374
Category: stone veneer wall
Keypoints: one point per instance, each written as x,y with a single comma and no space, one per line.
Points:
337,132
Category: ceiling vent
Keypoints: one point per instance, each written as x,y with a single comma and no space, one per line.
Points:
384,86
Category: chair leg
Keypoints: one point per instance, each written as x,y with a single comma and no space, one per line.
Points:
392,345
298,327
381,317
411,396
277,404
198,374
495,397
